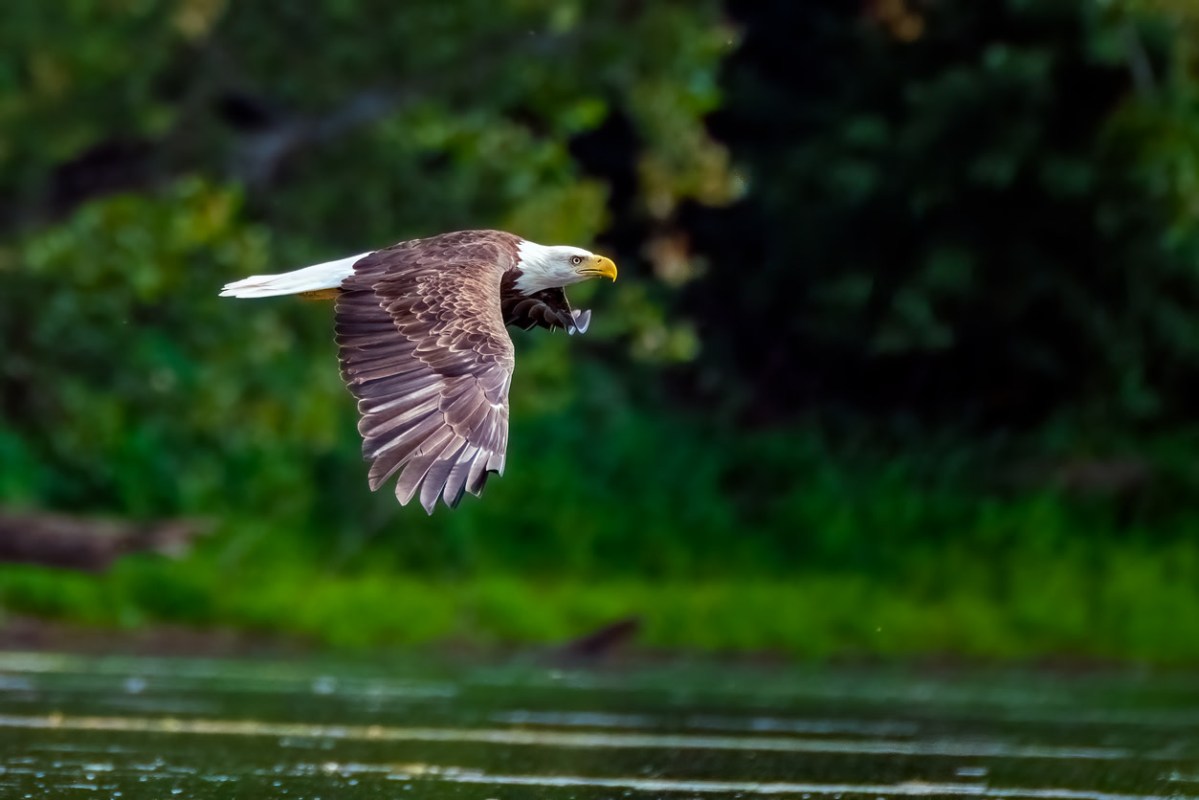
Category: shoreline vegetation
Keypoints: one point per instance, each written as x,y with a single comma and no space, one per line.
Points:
1060,613
858,558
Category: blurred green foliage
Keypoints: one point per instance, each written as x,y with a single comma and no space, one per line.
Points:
894,276
147,176
980,215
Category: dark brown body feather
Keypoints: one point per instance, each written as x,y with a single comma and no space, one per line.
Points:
548,308
423,346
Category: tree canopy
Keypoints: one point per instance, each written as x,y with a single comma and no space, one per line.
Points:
977,217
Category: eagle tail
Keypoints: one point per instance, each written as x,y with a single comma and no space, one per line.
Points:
316,278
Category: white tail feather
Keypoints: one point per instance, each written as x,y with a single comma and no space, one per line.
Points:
309,279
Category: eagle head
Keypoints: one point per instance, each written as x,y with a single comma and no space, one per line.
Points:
550,267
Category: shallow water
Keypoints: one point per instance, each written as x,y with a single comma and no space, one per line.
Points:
74,726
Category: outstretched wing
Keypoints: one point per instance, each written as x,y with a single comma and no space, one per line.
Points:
423,347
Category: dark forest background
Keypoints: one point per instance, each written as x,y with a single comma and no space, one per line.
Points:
903,357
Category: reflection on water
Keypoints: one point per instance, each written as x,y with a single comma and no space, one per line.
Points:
148,728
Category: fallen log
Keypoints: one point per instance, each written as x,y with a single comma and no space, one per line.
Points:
89,544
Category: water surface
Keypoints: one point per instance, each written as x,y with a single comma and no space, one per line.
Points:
74,726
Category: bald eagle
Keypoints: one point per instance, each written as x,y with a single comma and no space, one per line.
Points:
423,347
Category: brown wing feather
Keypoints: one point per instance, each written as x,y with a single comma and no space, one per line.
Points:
423,347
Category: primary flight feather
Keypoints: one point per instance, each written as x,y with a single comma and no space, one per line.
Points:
423,347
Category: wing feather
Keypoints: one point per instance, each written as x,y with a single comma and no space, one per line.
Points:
423,459
422,345
477,477
455,483
411,437
434,484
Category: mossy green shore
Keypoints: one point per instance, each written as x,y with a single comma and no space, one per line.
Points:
851,556
716,538
1139,605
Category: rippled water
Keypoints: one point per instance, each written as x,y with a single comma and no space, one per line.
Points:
153,728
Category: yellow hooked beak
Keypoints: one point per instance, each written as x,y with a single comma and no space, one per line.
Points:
598,266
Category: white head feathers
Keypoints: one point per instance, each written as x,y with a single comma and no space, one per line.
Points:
545,267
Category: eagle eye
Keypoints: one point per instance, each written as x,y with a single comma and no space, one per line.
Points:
576,260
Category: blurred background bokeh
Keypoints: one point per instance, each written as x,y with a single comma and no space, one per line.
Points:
902,361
